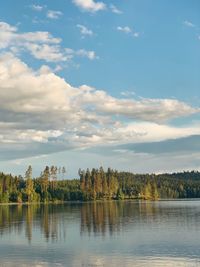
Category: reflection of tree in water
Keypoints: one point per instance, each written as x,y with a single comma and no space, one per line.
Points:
50,221
111,217
29,222
48,218
98,218
17,217
11,219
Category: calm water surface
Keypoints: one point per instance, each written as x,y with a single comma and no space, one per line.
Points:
135,233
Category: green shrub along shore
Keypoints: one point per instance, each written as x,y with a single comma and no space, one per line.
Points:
96,184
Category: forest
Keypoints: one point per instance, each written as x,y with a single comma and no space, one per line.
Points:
96,184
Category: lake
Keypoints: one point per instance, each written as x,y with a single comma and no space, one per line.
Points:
126,233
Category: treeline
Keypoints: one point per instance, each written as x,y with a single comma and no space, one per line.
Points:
50,186
96,184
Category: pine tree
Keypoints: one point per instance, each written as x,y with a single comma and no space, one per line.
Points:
53,176
45,181
29,184
63,171
155,194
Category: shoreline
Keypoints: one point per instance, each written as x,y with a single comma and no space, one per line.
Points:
97,201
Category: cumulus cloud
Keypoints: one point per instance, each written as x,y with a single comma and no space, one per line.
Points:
128,30
128,93
82,53
37,7
125,29
40,44
158,110
115,10
84,30
89,54
90,5
39,107
53,14
47,52
188,24
35,42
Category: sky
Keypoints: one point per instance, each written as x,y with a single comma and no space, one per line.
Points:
87,83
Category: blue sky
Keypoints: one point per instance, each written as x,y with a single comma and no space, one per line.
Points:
90,83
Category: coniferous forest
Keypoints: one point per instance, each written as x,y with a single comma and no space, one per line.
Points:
96,184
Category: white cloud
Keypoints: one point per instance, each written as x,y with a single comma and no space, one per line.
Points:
125,29
35,42
188,24
57,68
84,30
47,52
158,110
128,30
7,33
128,93
151,132
90,5
39,107
37,7
136,34
115,10
82,53
53,14
6,27
89,54
41,45
38,37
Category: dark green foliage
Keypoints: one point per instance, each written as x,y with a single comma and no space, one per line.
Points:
125,185
97,184
46,188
